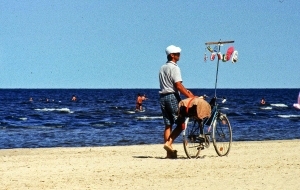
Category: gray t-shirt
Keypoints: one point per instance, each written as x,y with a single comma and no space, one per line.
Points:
169,74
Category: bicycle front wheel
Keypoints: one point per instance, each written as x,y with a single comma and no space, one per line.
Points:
191,134
222,135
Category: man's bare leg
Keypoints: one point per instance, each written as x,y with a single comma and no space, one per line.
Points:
174,135
167,133
168,130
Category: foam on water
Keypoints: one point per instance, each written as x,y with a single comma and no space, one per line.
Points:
224,108
289,116
279,105
55,109
130,112
149,117
266,108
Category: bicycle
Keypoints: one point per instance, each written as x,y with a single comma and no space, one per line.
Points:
218,129
218,126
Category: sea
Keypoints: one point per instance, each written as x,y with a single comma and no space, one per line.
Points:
107,117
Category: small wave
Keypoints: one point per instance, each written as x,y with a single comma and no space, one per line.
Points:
149,118
55,109
98,125
46,127
129,112
33,127
23,118
224,108
104,124
289,116
266,108
279,105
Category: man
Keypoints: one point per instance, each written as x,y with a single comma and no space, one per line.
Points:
139,102
170,87
263,101
73,98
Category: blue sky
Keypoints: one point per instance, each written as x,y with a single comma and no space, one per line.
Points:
121,44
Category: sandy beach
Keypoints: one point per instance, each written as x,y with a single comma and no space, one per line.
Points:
249,165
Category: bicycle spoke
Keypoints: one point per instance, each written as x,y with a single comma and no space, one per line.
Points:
191,140
222,135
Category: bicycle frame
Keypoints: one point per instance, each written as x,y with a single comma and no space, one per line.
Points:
214,113
213,101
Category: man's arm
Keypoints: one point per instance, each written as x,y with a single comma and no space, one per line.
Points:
183,90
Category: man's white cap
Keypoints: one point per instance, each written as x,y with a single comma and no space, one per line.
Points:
172,49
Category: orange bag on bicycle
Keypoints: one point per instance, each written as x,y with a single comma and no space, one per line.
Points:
194,107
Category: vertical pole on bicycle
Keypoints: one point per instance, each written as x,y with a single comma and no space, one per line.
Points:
219,45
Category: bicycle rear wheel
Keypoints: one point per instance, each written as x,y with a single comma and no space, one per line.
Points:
191,141
222,135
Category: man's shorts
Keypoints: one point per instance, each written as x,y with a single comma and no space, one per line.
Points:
169,107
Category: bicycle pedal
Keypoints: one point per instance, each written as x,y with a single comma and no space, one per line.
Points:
201,147
207,137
